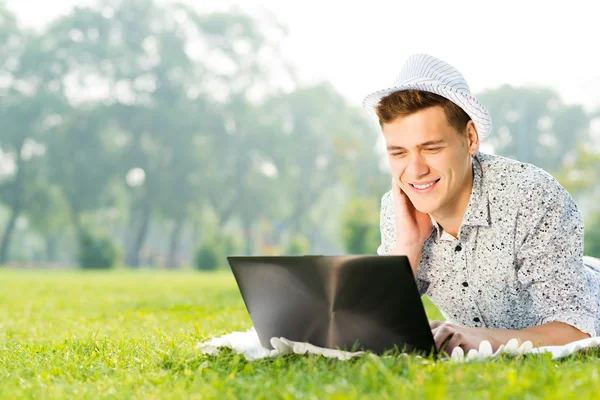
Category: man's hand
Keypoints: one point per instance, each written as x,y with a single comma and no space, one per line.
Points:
457,336
412,227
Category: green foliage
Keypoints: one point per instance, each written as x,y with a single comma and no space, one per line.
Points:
199,136
360,226
534,125
97,251
240,158
592,236
207,257
213,251
580,174
297,245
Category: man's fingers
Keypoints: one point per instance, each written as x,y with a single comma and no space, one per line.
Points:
442,333
403,206
458,339
396,191
434,324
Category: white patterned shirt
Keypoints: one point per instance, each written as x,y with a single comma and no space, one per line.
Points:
518,261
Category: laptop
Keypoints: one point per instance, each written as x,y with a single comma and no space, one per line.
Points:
346,302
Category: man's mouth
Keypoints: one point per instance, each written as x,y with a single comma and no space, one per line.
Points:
423,186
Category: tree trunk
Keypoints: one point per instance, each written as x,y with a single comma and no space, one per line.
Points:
173,259
225,213
76,225
4,247
51,248
140,236
129,234
17,188
305,200
196,234
79,232
248,238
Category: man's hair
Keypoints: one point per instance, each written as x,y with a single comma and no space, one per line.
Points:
406,102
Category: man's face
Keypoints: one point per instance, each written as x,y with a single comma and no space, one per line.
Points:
430,160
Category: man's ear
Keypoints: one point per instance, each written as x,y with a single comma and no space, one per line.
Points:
472,137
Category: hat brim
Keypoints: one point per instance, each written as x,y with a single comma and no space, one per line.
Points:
473,107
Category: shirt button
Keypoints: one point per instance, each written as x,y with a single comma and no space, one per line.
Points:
465,284
458,248
476,319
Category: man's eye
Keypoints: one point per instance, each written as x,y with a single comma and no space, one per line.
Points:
398,154
433,148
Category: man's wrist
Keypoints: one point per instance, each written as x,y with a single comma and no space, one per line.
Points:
406,249
413,252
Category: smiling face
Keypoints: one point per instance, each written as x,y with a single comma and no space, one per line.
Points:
431,161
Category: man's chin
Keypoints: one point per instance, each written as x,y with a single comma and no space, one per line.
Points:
425,208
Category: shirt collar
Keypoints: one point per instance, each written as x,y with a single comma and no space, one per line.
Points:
439,232
478,210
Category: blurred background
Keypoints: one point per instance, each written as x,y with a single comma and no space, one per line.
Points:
167,135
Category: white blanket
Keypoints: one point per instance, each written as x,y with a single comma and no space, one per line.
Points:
248,344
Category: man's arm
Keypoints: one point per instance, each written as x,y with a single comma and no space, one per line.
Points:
549,257
549,334
413,254
389,244
549,262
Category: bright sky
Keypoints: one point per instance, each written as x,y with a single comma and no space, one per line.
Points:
361,47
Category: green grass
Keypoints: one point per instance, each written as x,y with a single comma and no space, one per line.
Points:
133,335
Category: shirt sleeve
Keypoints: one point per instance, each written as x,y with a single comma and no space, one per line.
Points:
550,257
386,225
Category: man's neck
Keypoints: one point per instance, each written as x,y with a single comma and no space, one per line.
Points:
450,218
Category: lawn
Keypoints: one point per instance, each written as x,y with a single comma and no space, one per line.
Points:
133,335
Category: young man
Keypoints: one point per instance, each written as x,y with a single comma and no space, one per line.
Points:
495,243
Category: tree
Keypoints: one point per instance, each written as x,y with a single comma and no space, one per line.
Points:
28,111
592,235
580,175
80,162
322,144
360,221
138,56
47,214
533,125
188,110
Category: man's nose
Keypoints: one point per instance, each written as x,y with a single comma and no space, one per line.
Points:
417,166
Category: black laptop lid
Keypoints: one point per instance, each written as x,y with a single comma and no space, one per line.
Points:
355,302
